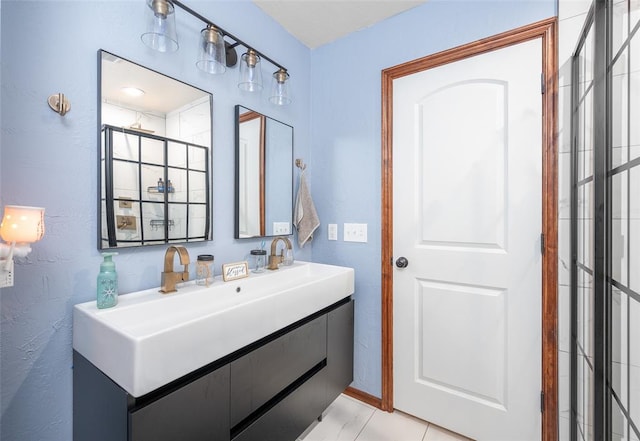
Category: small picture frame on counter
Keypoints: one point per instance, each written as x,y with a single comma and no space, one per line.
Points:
235,271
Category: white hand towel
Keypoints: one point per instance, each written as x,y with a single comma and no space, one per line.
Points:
305,217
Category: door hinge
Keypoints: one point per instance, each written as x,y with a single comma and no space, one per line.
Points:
541,401
542,243
542,84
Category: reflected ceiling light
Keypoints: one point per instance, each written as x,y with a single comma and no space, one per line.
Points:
280,88
212,52
161,26
250,72
132,91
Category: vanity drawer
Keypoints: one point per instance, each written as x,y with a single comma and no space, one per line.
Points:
263,373
197,411
291,416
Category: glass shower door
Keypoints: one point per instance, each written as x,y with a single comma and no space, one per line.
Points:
624,177
605,365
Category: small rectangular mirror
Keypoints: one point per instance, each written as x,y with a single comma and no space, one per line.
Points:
264,175
155,141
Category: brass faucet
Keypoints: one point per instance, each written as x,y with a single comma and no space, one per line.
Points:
169,278
274,259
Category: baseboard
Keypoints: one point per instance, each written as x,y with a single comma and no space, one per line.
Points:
364,397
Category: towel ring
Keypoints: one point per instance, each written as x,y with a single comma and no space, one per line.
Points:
300,164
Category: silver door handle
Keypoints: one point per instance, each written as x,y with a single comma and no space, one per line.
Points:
402,262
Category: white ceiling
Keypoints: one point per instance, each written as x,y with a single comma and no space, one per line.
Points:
318,22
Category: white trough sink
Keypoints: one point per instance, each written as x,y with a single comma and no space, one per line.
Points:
150,339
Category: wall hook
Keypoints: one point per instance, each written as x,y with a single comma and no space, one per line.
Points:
59,103
300,164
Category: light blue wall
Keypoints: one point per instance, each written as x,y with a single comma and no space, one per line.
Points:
51,161
345,148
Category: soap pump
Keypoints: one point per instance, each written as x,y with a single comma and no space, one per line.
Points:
107,283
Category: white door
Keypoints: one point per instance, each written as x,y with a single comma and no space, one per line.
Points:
467,179
249,179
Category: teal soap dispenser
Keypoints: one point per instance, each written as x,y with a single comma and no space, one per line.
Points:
107,283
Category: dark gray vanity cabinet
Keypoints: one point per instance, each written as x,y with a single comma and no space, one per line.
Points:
291,416
198,411
271,390
263,373
102,411
317,388
339,350
99,405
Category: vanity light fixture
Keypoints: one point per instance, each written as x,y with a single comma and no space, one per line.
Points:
161,26
215,53
212,52
280,88
20,226
250,72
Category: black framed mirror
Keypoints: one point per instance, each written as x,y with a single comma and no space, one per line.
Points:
264,176
155,142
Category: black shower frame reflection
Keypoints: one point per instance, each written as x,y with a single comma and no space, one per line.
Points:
108,198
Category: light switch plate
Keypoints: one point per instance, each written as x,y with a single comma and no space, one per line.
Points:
332,231
355,232
281,228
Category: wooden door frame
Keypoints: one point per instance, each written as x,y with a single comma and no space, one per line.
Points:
250,116
546,30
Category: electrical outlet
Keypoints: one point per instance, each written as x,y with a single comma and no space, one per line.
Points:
6,274
332,231
281,228
126,222
355,232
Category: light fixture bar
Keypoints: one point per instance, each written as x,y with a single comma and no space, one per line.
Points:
236,40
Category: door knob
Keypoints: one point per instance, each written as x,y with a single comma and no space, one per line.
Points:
402,262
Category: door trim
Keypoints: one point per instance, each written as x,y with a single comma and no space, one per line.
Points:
545,29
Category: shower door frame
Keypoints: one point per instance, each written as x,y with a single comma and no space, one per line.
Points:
596,21
600,19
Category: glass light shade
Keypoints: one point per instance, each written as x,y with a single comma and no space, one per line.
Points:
250,72
280,88
211,55
161,26
22,224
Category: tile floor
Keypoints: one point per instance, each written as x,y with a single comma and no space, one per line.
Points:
347,419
